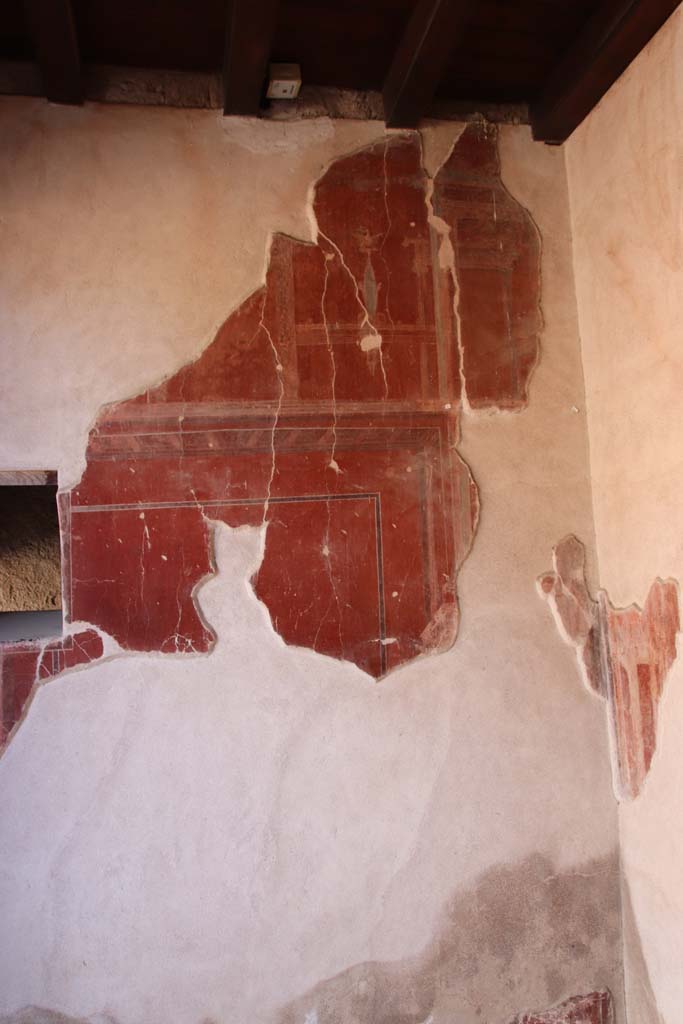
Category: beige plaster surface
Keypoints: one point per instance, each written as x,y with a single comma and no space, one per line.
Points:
625,169
210,839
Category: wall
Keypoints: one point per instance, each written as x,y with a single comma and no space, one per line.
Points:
625,167
263,833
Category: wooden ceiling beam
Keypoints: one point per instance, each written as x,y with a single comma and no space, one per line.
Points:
610,40
53,29
249,39
418,64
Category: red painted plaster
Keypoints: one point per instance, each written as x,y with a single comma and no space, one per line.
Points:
24,664
625,655
328,406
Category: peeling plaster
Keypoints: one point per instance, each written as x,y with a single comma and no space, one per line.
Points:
376,236
376,803
624,656
595,1008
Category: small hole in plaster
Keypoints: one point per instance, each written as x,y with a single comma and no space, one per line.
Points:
371,342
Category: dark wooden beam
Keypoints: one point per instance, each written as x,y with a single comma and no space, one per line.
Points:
428,41
611,39
251,27
52,26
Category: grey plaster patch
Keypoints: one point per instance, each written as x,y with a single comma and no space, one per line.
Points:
522,936
41,1015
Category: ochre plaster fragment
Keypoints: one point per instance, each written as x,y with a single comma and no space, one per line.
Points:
595,1008
328,407
624,655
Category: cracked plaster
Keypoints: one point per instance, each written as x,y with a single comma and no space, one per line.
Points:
624,655
317,822
444,308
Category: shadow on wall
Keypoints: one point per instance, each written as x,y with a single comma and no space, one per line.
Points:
522,938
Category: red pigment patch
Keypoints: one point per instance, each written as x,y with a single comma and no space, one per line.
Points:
595,1008
625,655
327,406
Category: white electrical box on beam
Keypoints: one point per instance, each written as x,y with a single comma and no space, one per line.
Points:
284,81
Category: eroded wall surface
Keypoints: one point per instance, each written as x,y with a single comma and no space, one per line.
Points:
250,829
625,167
624,656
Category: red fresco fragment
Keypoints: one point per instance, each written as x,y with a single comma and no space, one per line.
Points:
625,655
18,665
23,664
69,651
328,407
595,1008
497,253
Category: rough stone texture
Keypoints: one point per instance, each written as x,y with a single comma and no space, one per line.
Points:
595,1008
104,83
30,562
624,654
28,477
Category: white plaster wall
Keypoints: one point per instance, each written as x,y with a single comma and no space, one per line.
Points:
207,838
625,168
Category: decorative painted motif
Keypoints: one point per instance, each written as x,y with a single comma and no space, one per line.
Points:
624,654
327,407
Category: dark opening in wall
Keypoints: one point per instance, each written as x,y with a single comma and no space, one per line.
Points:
30,559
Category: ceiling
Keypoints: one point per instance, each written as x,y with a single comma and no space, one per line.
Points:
551,57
